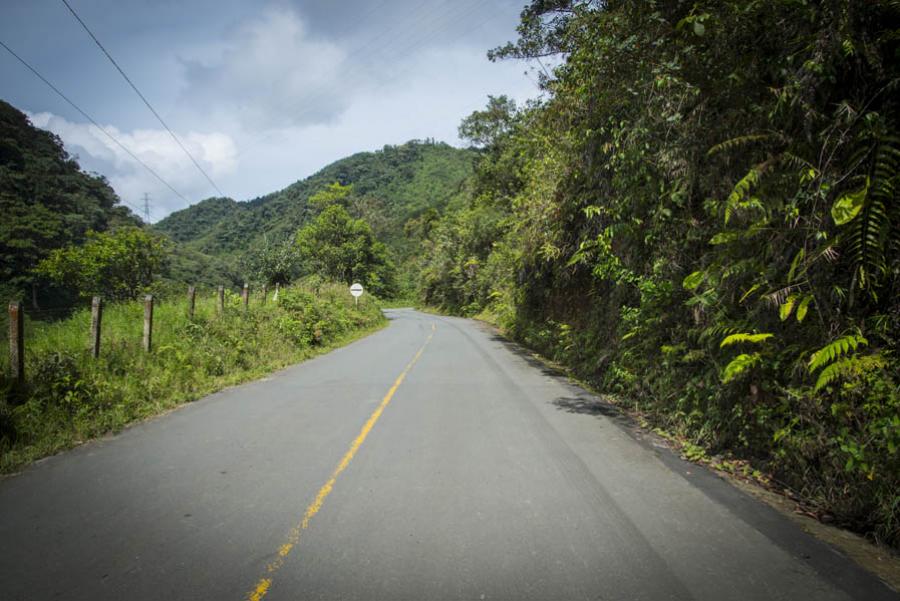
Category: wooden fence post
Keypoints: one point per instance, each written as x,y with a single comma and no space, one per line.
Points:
192,298
265,291
148,322
245,295
17,341
96,318
220,305
277,289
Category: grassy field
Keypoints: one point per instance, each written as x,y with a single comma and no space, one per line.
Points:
69,397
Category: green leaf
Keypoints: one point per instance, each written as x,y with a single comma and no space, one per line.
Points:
742,337
784,311
738,197
803,307
795,263
699,28
693,280
849,205
725,238
752,289
849,368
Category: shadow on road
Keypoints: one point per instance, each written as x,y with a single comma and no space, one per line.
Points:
582,402
528,357
590,405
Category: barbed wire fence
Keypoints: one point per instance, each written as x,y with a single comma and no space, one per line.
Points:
54,328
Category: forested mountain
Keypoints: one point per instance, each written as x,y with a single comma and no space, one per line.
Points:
389,187
701,216
46,201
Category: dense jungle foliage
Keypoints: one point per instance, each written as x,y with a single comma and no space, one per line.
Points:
46,201
700,216
64,236
332,246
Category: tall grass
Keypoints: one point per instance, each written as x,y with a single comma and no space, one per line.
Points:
69,397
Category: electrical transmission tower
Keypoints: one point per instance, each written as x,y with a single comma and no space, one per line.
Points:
146,208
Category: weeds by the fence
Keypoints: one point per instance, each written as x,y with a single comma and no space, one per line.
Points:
68,396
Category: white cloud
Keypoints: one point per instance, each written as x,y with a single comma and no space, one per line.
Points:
269,74
216,152
277,102
415,102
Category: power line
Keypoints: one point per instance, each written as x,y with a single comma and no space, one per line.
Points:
94,123
141,96
131,206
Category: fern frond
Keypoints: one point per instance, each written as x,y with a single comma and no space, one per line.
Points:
778,297
741,337
850,367
739,141
740,268
740,194
739,365
870,216
717,330
834,350
796,162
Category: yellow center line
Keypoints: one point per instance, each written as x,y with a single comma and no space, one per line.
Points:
293,538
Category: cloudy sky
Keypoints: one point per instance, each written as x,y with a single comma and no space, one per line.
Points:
262,93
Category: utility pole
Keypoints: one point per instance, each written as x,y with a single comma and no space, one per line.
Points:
146,208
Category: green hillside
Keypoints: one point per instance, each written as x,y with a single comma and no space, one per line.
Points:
47,202
390,187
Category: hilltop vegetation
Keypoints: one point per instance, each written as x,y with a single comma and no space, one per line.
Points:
389,187
47,202
50,205
701,217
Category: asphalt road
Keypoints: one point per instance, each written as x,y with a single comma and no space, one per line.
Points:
428,461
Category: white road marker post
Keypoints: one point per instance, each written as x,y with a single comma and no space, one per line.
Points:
356,290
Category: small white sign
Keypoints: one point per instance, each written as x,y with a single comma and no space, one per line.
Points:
356,290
